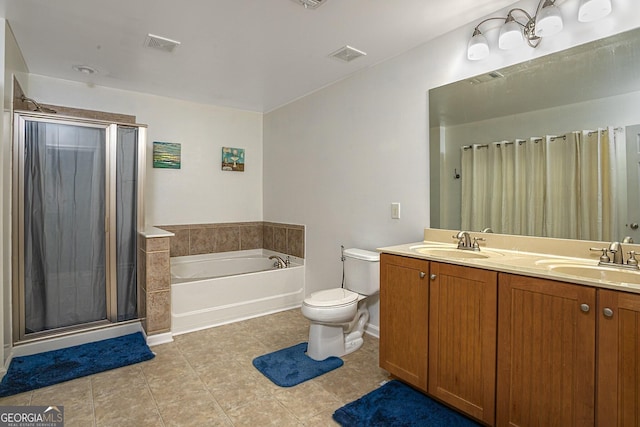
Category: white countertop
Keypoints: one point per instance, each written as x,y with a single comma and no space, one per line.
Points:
153,232
520,262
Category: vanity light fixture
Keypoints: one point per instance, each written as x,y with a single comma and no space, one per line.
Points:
592,10
519,26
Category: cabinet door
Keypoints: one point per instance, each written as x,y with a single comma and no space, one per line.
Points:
462,338
618,395
546,353
403,318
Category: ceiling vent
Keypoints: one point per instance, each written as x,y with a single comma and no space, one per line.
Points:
347,54
160,43
486,77
311,4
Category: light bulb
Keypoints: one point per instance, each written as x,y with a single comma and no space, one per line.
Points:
591,10
548,21
478,47
510,35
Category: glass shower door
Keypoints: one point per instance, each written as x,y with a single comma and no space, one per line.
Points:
64,241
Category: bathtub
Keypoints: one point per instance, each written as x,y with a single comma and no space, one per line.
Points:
214,289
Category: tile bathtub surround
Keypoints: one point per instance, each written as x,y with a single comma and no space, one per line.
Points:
195,239
205,378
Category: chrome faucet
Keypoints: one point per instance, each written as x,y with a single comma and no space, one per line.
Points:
280,263
464,240
616,250
617,256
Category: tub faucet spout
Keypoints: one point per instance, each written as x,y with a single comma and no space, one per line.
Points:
279,263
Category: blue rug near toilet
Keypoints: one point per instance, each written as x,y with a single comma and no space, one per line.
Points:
398,405
52,367
291,366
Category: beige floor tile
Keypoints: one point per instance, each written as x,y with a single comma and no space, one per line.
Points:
324,419
204,411
263,412
307,400
22,399
206,378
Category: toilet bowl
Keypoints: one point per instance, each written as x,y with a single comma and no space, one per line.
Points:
338,316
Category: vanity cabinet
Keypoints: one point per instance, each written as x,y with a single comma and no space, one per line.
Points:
462,338
546,353
618,394
404,298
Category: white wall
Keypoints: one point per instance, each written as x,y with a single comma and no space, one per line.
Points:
199,192
347,151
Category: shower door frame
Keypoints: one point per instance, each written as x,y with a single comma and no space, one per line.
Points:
18,242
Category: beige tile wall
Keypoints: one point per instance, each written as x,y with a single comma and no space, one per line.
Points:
154,290
194,239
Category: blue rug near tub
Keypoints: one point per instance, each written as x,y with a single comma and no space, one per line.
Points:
398,405
291,366
52,367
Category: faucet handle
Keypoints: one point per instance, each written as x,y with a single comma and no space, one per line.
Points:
604,257
476,246
632,259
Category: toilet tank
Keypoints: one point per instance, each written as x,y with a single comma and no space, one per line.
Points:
362,271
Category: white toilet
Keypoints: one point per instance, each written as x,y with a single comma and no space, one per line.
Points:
338,316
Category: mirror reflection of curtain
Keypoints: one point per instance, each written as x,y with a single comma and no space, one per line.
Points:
64,234
512,187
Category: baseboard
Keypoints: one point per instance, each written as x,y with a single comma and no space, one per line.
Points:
372,330
158,339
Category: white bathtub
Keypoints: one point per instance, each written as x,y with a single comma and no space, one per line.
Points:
214,289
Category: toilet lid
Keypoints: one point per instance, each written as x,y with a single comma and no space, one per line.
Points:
331,297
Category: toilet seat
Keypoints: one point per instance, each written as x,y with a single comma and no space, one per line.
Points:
336,297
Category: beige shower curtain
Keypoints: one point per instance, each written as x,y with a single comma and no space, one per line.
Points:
556,186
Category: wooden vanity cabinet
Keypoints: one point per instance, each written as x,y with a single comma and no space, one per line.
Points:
618,395
462,338
404,298
546,353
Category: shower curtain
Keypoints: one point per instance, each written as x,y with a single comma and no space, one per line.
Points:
553,186
64,227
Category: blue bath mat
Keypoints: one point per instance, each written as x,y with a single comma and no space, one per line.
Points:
291,366
52,367
398,405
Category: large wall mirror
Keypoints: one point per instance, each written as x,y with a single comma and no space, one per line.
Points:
569,119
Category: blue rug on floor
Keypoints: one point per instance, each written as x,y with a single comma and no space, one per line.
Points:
52,367
291,366
398,405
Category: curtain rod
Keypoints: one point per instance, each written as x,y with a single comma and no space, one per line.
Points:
536,140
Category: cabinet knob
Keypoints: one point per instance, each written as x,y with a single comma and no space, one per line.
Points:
607,312
433,277
585,307
422,274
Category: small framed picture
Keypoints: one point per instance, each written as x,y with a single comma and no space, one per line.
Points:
166,155
233,159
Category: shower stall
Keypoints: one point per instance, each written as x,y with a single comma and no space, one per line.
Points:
77,208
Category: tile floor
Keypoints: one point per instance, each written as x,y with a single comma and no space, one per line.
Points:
206,378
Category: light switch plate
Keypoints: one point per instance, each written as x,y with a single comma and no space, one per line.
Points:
395,210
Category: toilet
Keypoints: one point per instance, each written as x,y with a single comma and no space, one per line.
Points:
338,316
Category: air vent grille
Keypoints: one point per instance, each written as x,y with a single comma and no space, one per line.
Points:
486,77
347,54
160,43
311,4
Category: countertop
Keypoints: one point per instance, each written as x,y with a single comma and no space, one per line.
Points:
534,264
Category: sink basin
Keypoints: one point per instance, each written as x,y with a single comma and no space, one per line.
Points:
451,253
599,273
